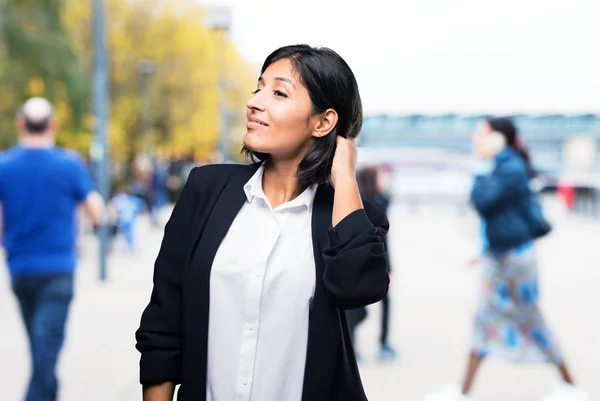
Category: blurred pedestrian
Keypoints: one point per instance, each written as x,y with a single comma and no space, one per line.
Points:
126,208
143,185
369,184
160,177
259,262
508,322
41,187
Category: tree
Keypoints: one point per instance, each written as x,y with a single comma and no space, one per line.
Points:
184,88
38,59
46,49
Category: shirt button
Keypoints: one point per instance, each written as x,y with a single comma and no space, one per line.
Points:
251,328
245,383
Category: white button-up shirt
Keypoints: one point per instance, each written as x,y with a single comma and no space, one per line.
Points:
261,288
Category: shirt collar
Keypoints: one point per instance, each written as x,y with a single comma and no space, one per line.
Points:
254,189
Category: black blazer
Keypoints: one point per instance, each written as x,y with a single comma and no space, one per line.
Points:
351,266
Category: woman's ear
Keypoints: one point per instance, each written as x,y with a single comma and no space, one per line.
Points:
325,124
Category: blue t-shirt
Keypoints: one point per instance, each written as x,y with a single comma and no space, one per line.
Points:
40,189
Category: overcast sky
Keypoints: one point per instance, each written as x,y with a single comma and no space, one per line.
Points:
432,56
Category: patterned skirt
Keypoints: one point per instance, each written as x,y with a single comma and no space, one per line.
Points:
508,322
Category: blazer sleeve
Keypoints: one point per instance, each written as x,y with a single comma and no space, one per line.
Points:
159,336
356,263
494,192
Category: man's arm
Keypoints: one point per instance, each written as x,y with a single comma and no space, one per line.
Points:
83,189
94,208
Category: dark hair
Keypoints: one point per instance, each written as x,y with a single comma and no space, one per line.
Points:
330,84
37,127
367,181
506,127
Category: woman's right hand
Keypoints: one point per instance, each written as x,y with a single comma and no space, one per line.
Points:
159,392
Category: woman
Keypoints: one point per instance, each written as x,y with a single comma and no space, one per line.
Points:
258,263
369,185
508,323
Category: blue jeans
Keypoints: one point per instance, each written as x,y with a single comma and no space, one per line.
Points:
44,302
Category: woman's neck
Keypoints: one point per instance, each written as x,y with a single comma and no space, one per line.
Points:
280,182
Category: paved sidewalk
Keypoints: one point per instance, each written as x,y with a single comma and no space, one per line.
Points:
434,295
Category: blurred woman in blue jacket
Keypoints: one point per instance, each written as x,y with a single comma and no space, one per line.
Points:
508,322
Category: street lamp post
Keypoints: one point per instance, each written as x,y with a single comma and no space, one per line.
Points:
147,68
218,19
99,150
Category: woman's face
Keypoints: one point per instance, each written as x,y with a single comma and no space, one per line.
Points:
486,142
481,132
483,129
280,120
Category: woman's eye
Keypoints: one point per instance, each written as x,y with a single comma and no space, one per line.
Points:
280,93
254,92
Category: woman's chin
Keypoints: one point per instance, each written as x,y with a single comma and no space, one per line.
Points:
255,146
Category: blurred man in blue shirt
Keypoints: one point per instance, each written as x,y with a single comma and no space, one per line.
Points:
41,187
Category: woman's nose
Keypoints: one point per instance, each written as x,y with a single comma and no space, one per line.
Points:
256,102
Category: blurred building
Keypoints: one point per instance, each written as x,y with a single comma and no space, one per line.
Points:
545,135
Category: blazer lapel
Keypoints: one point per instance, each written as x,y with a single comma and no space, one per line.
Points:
223,213
323,337
197,298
